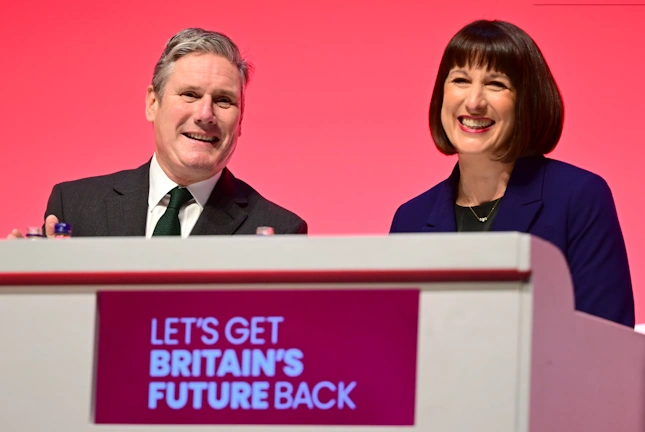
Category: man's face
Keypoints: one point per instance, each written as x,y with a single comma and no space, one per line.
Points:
197,122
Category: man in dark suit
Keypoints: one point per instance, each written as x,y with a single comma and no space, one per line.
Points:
196,105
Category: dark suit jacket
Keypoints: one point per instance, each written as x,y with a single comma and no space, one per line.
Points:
567,206
117,205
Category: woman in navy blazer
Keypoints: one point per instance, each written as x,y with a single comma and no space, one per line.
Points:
496,105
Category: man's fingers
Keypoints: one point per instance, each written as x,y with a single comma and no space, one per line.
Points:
15,234
50,225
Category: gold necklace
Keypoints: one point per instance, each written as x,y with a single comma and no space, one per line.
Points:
485,218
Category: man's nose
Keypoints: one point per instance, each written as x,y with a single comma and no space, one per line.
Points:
205,112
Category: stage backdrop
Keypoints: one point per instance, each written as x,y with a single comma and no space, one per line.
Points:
336,121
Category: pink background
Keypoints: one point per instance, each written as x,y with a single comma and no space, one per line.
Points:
336,120
365,336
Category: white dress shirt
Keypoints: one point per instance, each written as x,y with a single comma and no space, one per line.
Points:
159,197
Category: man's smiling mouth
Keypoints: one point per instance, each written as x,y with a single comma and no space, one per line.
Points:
201,137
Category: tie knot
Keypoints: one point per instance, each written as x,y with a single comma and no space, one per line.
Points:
178,197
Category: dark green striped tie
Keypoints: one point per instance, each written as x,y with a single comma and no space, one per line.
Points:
169,224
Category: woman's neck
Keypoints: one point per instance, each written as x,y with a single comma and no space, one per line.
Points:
481,180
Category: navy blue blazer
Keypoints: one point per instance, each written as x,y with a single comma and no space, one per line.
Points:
565,205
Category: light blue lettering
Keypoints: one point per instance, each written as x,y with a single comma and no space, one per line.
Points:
187,323
315,395
256,330
260,395
170,330
242,332
240,394
154,340
159,363
197,388
274,320
282,398
229,364
211,355
293,361
155,393
343,395
263,362
180,364
208,327
302,396
173,400
224,395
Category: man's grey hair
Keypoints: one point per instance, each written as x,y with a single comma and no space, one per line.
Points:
200,41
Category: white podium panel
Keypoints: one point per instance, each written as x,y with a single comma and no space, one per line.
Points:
499,345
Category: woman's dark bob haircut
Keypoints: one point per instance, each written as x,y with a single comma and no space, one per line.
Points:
504,47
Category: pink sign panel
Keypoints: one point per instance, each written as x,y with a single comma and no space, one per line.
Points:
306,357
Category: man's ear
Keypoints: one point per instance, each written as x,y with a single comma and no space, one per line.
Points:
239,126
152,104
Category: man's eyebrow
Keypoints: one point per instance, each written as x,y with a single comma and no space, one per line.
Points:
228,93
189,88
220,92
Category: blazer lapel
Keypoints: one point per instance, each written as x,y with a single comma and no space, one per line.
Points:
127,208
522,200
225,209
442,216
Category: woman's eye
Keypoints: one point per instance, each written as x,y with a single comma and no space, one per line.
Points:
497,84
460,81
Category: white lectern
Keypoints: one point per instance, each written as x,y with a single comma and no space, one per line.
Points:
500,347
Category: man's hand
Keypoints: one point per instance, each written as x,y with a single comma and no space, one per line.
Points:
50,224
15,234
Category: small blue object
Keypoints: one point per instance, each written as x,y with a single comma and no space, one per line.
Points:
63,228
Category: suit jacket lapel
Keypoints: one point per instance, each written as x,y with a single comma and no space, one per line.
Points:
225,209
522,200
127,208
442,216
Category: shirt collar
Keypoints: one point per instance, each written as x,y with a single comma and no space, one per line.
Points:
161,185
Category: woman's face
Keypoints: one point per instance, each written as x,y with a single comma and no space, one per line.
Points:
478,111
